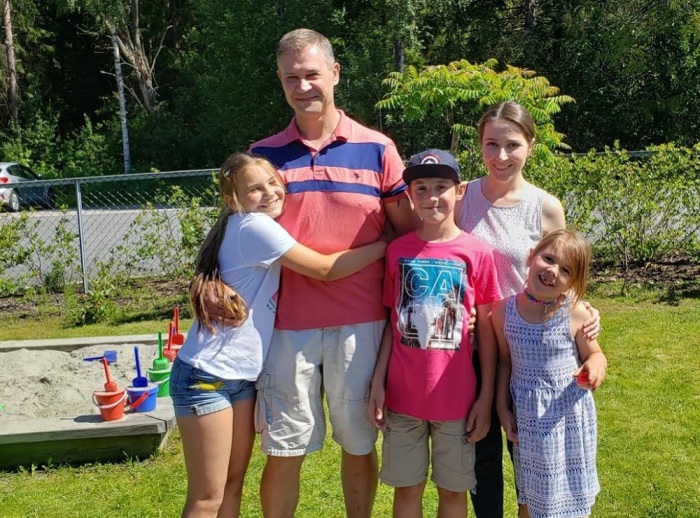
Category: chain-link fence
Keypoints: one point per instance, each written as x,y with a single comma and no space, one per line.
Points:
102,230
136,224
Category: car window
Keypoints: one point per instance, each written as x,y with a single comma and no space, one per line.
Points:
16,170
28,173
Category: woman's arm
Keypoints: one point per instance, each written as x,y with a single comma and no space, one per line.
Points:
334,266
553,217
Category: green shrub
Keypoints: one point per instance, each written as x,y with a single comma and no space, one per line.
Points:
636,210
455,95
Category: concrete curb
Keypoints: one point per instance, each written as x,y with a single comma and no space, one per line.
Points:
71,344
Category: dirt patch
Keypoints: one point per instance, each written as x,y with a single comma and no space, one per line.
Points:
664,273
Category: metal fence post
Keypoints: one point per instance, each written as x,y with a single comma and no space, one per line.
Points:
81,236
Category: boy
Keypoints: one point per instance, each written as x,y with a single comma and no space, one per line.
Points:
434,276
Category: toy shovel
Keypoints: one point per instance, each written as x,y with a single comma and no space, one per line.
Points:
110,355
178,338
111,385
169,352
160,363
139,380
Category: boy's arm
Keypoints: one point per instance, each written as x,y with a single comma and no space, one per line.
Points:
594,364
505,415
479,420
375,407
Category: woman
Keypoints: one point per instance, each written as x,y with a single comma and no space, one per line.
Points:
512,215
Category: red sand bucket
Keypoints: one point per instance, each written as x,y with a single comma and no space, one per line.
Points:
111,404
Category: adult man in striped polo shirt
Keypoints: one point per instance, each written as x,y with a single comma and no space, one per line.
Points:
343,182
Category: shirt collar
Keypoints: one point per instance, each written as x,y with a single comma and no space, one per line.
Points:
343,131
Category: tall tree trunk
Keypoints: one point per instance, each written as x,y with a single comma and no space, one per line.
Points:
11,62
531,9
132,49
399,55
122,101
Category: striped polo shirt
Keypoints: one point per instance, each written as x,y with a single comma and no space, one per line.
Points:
335,201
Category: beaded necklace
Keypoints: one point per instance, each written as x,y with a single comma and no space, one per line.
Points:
544,303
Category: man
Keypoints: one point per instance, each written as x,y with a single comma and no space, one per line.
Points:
343,182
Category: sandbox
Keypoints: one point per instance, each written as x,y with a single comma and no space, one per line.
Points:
49,415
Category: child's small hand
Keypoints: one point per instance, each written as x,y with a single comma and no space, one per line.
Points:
592,373
375,407
479,421
507,419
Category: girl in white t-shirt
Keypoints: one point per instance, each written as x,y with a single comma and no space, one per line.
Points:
213,377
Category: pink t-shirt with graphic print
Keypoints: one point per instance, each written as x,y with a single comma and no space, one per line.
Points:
431,288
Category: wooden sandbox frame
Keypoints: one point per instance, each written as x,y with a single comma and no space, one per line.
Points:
86,438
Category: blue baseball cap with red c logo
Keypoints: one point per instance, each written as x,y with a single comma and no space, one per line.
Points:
433,163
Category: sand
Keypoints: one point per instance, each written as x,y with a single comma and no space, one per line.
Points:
50,383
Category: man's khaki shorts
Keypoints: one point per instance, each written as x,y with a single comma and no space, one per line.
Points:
406,453
303,365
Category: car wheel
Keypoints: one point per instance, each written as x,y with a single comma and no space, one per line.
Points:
13,203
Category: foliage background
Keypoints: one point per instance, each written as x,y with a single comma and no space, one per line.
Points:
632,67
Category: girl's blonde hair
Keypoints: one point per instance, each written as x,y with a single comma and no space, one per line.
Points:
576,252
207,273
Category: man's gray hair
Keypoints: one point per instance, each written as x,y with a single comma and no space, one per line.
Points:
297,40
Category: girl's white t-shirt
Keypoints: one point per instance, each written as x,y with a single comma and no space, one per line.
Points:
248,259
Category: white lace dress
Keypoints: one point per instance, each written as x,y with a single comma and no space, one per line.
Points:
555,461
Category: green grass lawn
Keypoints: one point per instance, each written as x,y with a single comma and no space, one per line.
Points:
54,327
648,456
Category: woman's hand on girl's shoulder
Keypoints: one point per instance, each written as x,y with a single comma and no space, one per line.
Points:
591,327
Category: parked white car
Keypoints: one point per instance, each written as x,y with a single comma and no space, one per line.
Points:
12,198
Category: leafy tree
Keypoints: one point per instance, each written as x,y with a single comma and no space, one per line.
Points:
455,96
122,21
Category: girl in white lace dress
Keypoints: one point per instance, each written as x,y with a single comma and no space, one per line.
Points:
549,369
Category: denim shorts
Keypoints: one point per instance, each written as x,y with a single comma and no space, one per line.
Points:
196,392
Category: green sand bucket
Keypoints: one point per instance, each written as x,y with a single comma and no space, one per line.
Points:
160,377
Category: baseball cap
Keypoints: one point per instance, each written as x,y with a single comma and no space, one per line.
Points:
433,163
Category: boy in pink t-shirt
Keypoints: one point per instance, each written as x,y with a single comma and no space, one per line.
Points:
424,374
